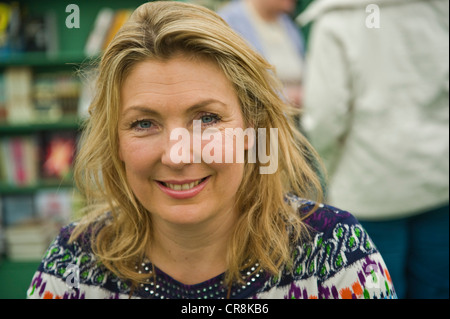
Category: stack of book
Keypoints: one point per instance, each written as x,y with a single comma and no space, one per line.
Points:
28,241
28,222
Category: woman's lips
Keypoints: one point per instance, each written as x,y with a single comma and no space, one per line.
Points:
182,189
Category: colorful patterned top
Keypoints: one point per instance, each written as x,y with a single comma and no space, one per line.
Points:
340,261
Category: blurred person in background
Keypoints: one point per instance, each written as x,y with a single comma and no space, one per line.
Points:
269,29
377,110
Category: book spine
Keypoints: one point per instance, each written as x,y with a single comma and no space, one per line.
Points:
97,36
18,85
8,169
30,159
17,151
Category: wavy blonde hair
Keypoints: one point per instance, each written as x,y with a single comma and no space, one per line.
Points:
267,226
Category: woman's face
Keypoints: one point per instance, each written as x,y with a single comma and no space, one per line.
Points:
159,98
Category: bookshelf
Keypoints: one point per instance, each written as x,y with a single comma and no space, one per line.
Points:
40,74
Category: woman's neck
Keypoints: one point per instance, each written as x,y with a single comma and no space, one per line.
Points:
192,254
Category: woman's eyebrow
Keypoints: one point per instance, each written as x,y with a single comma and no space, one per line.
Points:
140,109
144,109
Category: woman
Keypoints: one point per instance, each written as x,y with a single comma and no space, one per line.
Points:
157,226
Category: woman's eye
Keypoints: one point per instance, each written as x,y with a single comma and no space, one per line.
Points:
210,119
207,119
142,125
145,124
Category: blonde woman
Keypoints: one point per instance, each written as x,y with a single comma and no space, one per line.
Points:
171,217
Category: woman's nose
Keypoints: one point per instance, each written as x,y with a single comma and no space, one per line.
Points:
178,148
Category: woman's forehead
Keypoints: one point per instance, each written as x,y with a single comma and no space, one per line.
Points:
177,80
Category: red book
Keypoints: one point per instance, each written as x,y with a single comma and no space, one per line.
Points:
59,155
18,161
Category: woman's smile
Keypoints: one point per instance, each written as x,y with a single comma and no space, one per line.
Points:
183,189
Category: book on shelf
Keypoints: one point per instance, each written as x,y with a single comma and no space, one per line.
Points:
18,89
29,222
43,97
58,153
31,160
19,160
56,205
106,25
56,95
10,33
98,33
29,240
17,209
120,17
24,31
2,98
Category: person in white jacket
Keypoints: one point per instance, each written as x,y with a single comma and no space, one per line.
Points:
376,105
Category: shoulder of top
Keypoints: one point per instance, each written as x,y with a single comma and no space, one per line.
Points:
80,244
320,217
337,243
65,250
83,240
